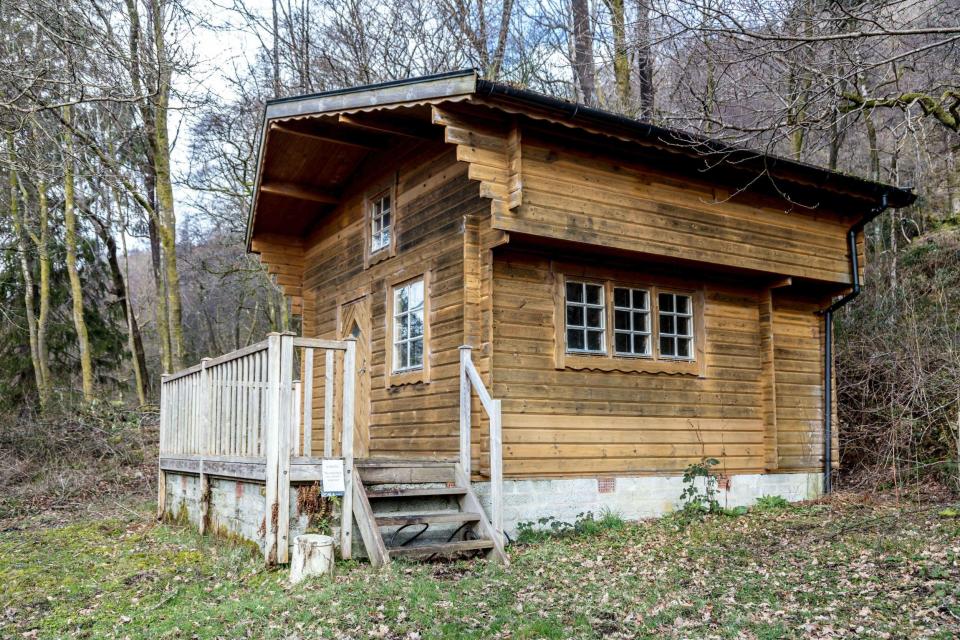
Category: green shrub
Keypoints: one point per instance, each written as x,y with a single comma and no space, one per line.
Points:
771,503
696,501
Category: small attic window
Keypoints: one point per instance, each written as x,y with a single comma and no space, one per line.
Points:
381,228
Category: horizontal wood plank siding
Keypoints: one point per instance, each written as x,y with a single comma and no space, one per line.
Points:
434,196
586,198
574,422
285,260
798,356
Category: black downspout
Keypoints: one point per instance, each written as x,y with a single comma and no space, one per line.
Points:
828,341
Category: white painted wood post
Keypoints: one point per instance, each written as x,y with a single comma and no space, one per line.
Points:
328,382
283,445
496,470
164,446
308,402
346,507
203,402
465,406
270,445
295,418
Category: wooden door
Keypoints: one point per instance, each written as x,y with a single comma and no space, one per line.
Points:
355,323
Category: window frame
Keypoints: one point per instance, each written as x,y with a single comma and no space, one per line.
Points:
370,198
610,359
408,375
586,328
674,335
632,310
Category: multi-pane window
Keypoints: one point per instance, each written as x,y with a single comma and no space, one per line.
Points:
675,314
622,321
380,219
631,321
585,311
408,326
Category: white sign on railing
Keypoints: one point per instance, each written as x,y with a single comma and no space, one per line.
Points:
332,477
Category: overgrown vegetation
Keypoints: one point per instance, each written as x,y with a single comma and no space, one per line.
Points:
585,524
898,363
70,456
847,567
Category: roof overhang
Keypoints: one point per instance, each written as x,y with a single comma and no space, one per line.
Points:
468,86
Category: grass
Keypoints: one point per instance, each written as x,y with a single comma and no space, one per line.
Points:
821,570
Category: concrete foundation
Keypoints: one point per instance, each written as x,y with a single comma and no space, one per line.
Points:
633,498
237,506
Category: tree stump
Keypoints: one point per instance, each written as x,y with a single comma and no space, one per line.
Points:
312,556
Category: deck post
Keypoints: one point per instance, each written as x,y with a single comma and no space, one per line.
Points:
270,446
496,470
346,507
465,410
284,429
164,440
202,440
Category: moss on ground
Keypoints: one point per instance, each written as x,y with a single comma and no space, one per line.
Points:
811,571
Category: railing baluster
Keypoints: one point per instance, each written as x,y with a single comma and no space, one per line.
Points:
328,396
308,402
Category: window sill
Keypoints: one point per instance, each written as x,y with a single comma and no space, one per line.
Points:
399,379
628,365
379,256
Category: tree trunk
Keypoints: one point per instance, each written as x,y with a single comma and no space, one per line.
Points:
499,52
275,54
76,289
167,227
583,51
134,341
160,312
42,240
119,279
621,57
644,60
29,300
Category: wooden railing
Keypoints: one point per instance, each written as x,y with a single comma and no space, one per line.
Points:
470,378
243,415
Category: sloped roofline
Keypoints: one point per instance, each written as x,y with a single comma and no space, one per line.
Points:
467,83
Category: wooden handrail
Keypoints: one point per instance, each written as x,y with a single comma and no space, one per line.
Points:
470,378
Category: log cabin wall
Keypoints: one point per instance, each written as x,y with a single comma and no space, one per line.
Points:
755,401
586,197
588,422
434,203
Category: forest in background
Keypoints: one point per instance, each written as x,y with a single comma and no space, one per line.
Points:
126,171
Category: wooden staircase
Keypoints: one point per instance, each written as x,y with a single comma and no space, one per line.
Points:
420,509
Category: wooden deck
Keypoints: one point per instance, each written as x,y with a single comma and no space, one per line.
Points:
244,416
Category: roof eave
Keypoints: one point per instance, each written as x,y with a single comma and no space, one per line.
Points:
436,87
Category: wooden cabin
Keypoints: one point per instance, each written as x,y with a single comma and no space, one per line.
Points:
631,299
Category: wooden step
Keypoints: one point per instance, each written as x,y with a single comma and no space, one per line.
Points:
439,549
406,471
365,463
427,518
416,492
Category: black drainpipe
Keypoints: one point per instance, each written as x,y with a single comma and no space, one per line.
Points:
828,340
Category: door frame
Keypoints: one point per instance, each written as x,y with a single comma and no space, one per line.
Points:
362,442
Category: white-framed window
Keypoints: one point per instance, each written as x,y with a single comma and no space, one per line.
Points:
380,223
408,326
675,317
585,317
631,321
